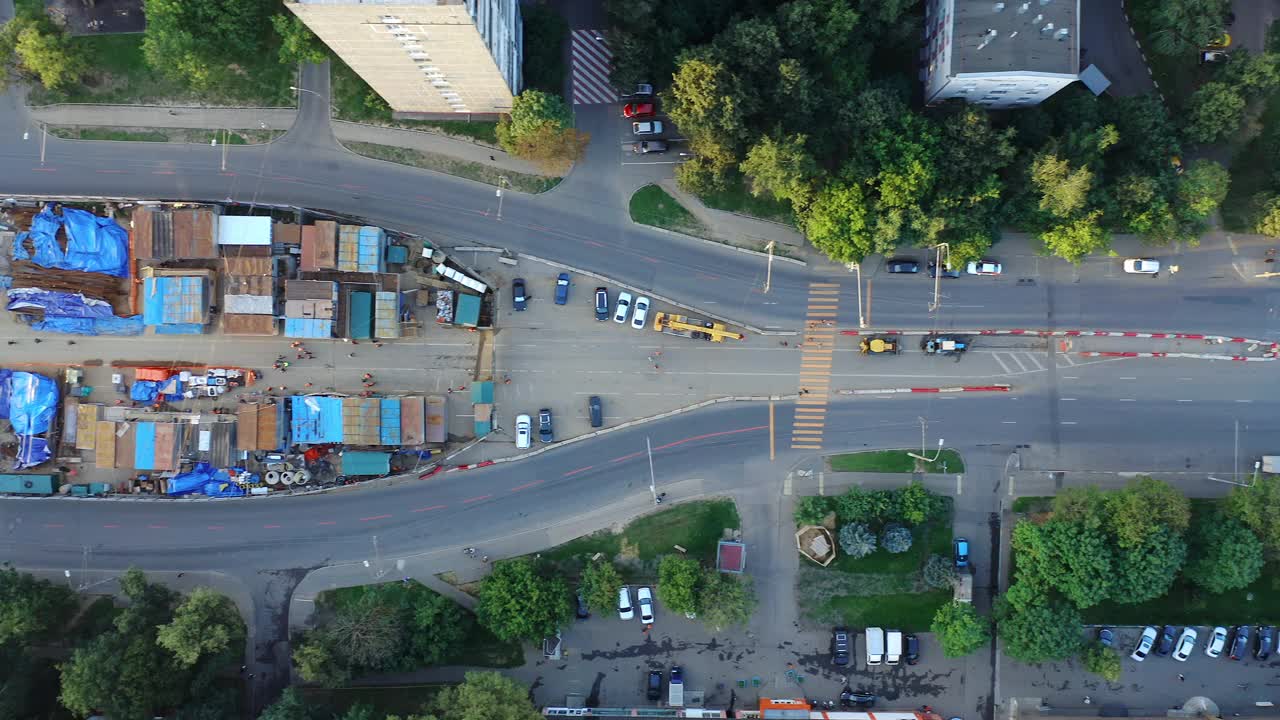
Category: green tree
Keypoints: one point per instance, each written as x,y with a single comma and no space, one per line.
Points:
856,505
438,629
47,52
896,539
485,696
812,510
1181,27
1201,189
1064,192
1101,660
1077,238
1146,571
197,43
679,578
1257,507
600,583
540,129
1226,555
1214,112
368,633
781,167
297,43
31,608
205,623
960,629
939,572
857,540
1145,505
1252,73
1145,210
1073,559
1037,630
838,223
1084,505
516,603
726,600
1267,215
914,504
289,706
319,661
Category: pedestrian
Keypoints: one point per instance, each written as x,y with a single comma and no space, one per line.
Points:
270,388
377,344
71,342
506,381
492,159
306,385
354,341
366,376
13,342
450,391
181,574
38,341
1182,678
351,355
283,388
243,668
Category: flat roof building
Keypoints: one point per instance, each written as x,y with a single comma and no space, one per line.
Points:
1000,54
426,58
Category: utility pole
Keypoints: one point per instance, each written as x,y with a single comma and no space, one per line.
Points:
377,559
44,135
937,272
857,267
924,423
768,273
653,486
226,136
501,179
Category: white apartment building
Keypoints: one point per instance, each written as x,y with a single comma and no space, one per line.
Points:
426,58
1000,54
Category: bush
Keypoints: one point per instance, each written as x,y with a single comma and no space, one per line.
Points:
863,506
960,629
896,539
939,572
678,583
1101,660
812,510
857,540
599,584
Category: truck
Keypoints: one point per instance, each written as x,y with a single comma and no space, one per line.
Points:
692,327
875,645
944,344
675,687
1271,464
893,647
880,345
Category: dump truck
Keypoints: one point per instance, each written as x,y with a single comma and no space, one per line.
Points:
692,327
880,345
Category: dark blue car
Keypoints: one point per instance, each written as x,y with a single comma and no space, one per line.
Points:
562,289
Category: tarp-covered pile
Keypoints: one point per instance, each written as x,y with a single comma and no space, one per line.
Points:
94,244
72,313
206,481
29,401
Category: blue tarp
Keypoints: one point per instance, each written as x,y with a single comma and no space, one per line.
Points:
4,392
32,450
131,325
144,446
144,391
94,244
58,304
33,399
315,419
205,480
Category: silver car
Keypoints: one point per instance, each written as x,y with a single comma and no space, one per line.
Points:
1217,641
647,127
524,432
1144,644
645,147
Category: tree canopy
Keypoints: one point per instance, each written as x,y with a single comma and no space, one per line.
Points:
206,623
726,600
1225,555
517,603
960,629
200,42
600,583
540,129
679,581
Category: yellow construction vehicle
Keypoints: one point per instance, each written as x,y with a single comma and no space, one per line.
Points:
692,327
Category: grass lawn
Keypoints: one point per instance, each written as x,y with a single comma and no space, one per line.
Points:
697,527
895,461
1033,504
532,184
387,700
737,198
910,612
1251,172
355,101
651,205
173,135
86,133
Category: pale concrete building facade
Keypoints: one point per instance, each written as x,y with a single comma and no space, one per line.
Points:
426,58
1000,54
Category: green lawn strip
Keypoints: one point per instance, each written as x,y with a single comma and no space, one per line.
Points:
894,461
651,205
532,184
93,133
1033,504
399,700
198,136
909,612
737,198
1251,173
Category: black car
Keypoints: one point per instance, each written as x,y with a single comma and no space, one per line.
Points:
946,271
1165,645
518,298
1107,636
859,699
913,649
653,690
583,611
900,266
595,410
602,303
544,426
1240,645
1265,643
840,650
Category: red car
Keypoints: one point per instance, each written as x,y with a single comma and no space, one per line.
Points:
637,110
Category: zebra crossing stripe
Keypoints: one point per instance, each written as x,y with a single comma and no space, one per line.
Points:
591,64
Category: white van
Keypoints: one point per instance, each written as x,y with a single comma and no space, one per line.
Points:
894,652
874,645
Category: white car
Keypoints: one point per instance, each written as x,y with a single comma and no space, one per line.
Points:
524,432
641,312
624,307
1144,644
647,127
645,598
1186,645
985,267
625,611
1141,266
1217,641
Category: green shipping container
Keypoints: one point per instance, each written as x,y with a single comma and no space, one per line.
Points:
27,484
364,462
360,316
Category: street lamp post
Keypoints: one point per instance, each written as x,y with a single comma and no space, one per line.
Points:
653,485
857,267
923,424
323,99
226,137
44,136
768,272
502,179
937,271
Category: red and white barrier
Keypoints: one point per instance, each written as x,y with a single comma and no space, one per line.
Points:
957,389
471,466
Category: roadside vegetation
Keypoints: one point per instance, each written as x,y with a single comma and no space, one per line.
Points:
651,205
178,135
449,165
480,695
354,101
896,461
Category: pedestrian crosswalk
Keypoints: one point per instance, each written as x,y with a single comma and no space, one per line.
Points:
592,61
815,366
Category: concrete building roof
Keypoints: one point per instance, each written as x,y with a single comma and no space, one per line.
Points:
1030,36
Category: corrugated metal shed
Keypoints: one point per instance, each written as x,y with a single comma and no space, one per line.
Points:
365,462
244,230
372,242
248,265
104,451
360,420
412,430
320,246
437,419
389,422
348,248
360,315
258,426
286,234
310,290
467,310
87,424
307,328
248,304
193,235
70,420
152,233
174,299
165,456
315,419
211,442
233,324
386,315
126,439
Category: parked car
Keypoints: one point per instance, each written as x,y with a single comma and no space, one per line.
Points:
1186,644
625,610
1107,636
962,552
643,90
518,298
840,650
641,312
562,288
638,110
899,266
1240,644
985,267
524,432
602,303
947,271
1165,646
912,655
1265,642
583,612
862,699
644,597
647,127
595,410
1217,641
653,688
1144,644
644,147
624,307
1213,56
1141,266
545,433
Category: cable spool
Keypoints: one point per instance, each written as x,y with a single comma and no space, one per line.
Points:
273,477
302,477
286,478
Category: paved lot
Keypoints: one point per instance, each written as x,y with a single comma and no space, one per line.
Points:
1105,41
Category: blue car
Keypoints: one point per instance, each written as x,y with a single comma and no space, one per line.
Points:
962,553
562,289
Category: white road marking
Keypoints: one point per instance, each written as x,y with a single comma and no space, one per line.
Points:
1000,362
1068,422
1128,400
1244,401
1128,378
1070,377
822,483
1011,485
959,484
1009,422
1014,357
1067,399
1035,361
786,485
1185,401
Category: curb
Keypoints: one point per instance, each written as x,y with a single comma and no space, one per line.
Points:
656,296
165,107
955,389
717,243
1193,356
1273,348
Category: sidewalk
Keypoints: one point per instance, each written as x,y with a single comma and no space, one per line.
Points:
742,230
144,116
